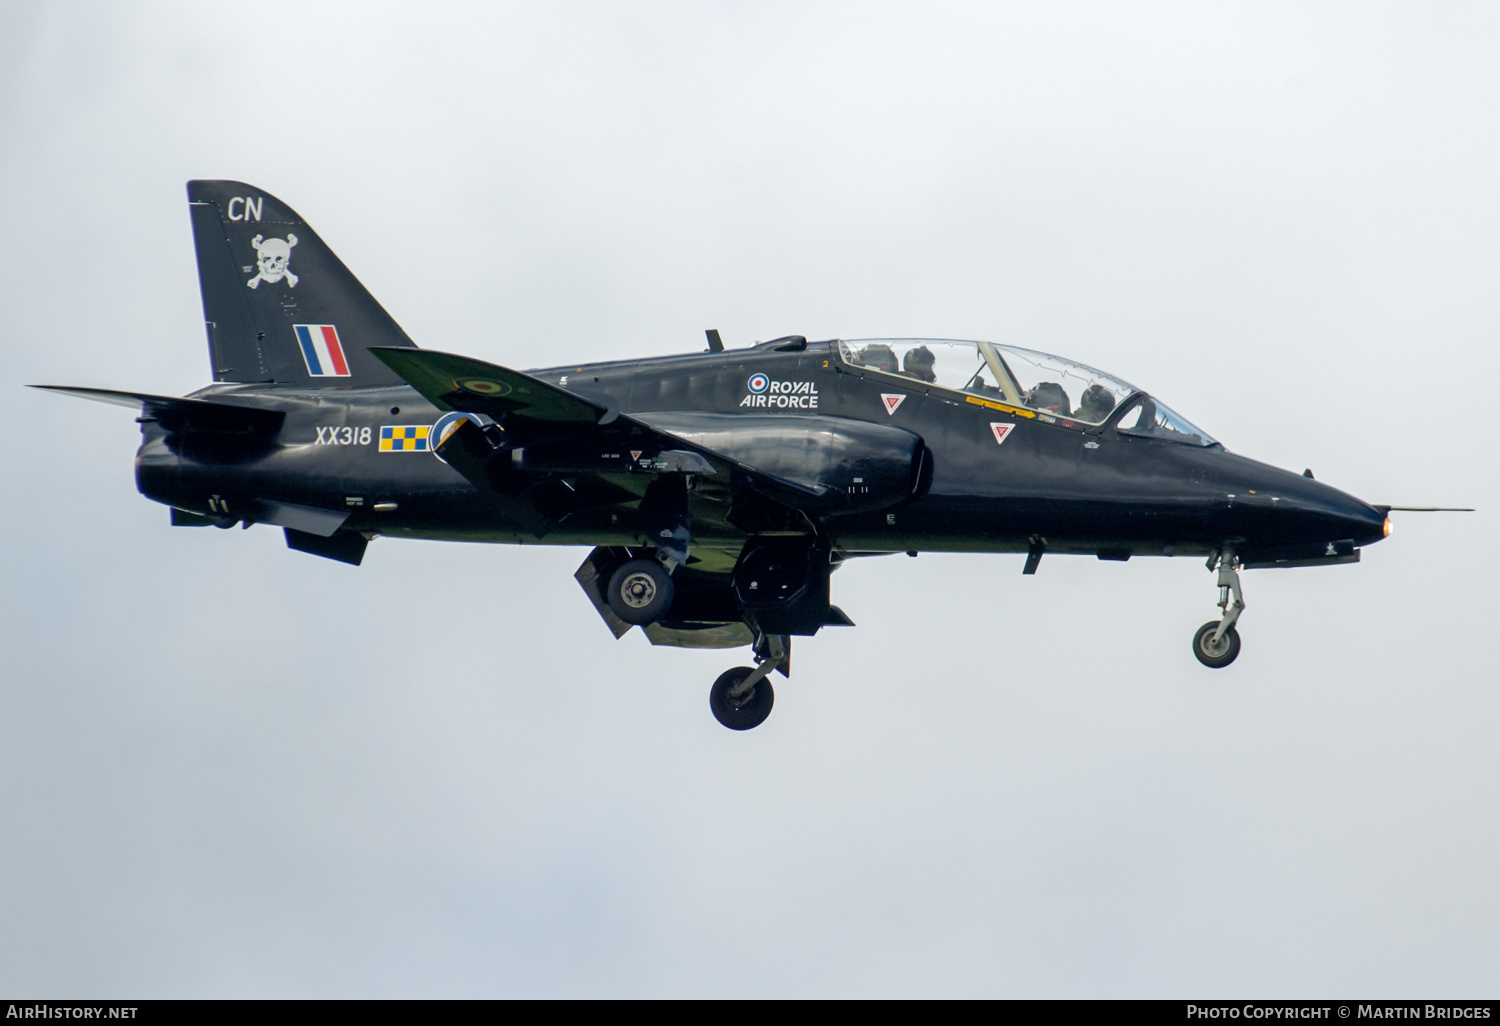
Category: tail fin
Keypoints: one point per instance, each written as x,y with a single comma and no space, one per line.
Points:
279,305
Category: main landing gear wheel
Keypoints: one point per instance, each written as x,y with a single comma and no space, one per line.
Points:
640,592
1219,653
743,711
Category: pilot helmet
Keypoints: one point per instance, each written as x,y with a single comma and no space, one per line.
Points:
1049,395
1096,402
880,357
918,363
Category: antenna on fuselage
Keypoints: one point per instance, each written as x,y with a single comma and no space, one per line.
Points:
715,343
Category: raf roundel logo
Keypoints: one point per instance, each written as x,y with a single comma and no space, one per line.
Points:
445,426
759,383
483,386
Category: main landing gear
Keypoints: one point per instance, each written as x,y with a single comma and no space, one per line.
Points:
742,698
1217,643
640,591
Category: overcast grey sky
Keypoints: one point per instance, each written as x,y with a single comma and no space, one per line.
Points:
232,769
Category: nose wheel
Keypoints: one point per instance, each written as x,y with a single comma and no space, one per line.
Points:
1215,648
741,698
739,703
1217,643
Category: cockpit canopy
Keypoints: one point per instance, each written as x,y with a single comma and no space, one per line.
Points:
1058,390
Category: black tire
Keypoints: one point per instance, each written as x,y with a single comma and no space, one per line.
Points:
1220,655
640,592
750,710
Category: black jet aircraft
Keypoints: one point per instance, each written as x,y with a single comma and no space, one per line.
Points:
719,490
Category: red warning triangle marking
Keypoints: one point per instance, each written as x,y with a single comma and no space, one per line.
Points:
635,454
891,402
1001,431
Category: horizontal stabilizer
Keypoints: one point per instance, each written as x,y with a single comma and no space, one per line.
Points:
178,414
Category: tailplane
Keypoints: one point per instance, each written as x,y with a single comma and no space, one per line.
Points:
280,307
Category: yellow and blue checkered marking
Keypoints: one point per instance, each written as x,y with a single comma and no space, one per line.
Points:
404,438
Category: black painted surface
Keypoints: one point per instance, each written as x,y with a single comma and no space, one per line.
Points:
1151,496
781,439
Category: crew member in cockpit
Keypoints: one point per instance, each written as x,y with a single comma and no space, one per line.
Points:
1049,396
918,364
983,387
1095,404
879,356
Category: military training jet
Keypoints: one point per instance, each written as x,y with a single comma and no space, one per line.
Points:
720,489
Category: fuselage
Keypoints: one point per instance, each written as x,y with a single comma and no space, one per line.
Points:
717,491
1070,486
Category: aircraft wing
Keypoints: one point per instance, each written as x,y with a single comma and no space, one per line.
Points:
560,430
472,386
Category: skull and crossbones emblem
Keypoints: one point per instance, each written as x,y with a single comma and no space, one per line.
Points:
273,255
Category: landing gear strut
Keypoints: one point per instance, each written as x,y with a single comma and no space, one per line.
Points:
742,698
1217,643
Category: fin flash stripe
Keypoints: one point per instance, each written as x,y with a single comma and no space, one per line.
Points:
321,350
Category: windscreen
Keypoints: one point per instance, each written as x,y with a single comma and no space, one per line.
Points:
1151,418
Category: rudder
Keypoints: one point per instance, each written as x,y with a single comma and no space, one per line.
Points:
279,305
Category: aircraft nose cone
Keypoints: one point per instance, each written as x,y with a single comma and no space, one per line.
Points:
1374,524
1274,507
1334,514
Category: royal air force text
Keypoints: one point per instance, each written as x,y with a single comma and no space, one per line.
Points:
797,395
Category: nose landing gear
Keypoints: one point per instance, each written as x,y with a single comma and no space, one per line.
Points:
1217,644
741,698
